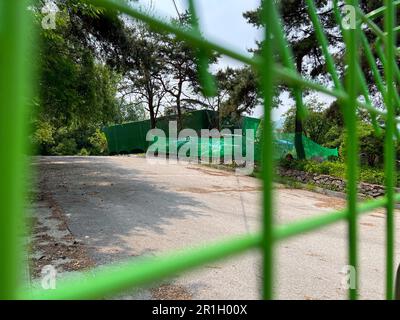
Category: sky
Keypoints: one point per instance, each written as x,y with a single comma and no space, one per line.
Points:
221,21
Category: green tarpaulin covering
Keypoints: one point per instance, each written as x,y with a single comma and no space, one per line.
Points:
131,138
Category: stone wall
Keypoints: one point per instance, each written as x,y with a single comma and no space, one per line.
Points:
331,183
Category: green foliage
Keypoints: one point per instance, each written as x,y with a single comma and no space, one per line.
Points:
333,137
83,152
325,126
160,70
99,143
240,86
72,92
67,146
42,137
142,67
180,78
310,61
322,125
68,140
97,69
130,112
371,145
335,169
76,89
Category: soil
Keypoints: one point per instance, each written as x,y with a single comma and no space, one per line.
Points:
170,292
51,242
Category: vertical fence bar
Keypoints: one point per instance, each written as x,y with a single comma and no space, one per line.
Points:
267,159
350,115
13,94
206,79
389,149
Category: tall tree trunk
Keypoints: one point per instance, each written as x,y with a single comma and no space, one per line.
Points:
179,112
152,114
298,137
298,128
178,106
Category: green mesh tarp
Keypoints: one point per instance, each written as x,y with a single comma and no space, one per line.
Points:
131,138
284,145
204,147
226,148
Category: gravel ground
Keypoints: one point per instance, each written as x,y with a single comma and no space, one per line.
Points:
123,207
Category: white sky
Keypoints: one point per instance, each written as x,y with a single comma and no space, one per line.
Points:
221,21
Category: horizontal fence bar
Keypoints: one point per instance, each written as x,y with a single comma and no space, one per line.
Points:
118,278
310,224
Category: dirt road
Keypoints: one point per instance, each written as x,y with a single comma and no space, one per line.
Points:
123,207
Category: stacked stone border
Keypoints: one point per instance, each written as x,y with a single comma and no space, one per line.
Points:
331,183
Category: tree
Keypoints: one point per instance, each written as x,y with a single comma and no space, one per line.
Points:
76,89
180,77
130,111
180,66
301,37
73,87
141,64
242,88
325,126
322,125
237,93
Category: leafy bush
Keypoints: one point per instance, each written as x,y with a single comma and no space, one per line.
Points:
67,146
336,168
374,176
73,140
99,143
293,164
42,138
84,152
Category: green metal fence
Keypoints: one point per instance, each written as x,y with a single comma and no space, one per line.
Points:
15,91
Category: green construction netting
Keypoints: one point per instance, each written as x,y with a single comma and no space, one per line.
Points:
227,147
284,145
131,138
204,147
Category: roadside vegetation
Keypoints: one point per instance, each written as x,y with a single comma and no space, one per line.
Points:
336,169
325,126
99,68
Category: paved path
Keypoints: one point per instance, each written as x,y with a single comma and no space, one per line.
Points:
123,207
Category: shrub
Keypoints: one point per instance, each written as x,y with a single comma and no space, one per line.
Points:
98,142
83,152
67,146
293,164
42,138
374,176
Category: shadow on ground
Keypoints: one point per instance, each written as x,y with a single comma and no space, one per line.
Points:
107,206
